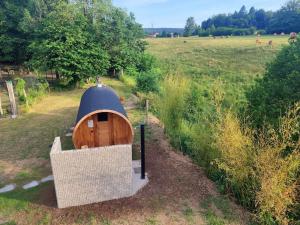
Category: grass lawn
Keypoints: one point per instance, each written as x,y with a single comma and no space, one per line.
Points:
26,141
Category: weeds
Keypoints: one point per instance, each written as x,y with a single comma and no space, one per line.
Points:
151,221
260,168
220,204
188,214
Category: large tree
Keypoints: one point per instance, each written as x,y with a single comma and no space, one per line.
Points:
66,46
13,41
76,39
18,21
190,27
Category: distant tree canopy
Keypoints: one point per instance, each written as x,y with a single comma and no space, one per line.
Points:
244,22
75,39
191,27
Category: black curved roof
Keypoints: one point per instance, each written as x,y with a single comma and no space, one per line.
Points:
99,98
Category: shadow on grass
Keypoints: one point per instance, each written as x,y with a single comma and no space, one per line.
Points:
19,199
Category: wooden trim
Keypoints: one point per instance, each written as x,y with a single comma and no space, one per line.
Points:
96,112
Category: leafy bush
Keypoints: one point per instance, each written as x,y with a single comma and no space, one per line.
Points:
258,168
147,82
147,63
278,167
20,89
131,71
279,89
28,95
128,80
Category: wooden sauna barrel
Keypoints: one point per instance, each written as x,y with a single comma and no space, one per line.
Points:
101,120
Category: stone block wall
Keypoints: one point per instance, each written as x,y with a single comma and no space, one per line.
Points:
91,175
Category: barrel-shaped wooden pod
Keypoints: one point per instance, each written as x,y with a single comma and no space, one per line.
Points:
101,120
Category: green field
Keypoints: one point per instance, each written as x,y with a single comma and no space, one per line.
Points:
236,61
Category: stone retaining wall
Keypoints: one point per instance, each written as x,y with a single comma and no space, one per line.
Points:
91,175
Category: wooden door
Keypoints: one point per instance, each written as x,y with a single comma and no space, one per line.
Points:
103,136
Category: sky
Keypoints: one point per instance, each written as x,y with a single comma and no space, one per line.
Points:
173,13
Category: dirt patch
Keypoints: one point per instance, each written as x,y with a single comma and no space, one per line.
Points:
10,169
173,195
131,102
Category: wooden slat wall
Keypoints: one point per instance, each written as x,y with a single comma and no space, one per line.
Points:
115,131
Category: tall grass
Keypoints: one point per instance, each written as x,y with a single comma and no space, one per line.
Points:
260,168
171,105
278,167
237,157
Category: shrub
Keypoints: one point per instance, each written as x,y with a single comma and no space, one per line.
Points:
20,89
238,156
278,170
128,80
28,95
259,170
147,63
147,82
131,71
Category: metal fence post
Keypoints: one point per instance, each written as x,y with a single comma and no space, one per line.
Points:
142,151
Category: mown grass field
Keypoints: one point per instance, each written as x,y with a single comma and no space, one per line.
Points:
236,61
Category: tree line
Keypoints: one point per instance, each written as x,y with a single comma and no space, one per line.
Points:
75,39
244,22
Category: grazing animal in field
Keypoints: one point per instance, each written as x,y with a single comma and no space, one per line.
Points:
258,41
270,43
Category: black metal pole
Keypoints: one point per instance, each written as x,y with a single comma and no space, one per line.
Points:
142,151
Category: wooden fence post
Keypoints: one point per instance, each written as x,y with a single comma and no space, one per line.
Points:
1,110
122,73
26,99
147,111
12,99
